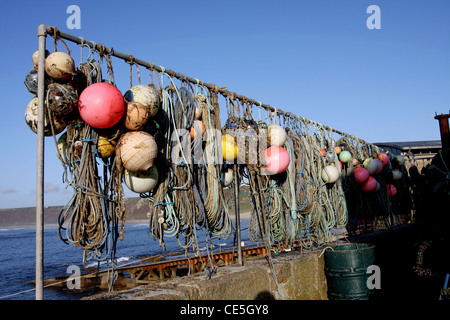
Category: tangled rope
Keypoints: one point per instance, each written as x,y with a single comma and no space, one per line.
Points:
296,206
190,195
90,219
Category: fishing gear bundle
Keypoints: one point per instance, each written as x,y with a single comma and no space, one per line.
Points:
90,219
169,145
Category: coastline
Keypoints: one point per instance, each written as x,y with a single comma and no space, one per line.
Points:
243,216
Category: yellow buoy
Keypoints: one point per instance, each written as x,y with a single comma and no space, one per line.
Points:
229,147
105,146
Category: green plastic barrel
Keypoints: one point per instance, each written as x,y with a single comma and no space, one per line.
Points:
346,271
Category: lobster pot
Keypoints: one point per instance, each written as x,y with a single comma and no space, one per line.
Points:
245,133
346,271
137,150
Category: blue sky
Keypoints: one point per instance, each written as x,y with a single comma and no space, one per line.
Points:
317,59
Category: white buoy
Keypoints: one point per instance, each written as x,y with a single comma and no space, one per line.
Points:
141,182
330,174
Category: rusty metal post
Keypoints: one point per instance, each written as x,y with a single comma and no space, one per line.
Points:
237,213
42,34
444,129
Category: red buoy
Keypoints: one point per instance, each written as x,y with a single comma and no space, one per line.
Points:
361,175
384,158
370,185
392,190
101,105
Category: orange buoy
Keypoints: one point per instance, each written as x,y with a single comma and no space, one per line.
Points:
137,116
196,128
337,150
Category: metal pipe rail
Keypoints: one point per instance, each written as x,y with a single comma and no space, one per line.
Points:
182,77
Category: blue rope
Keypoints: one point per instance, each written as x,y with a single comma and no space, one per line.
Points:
160,203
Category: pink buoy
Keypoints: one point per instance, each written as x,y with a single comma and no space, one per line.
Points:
370,185
277,159
101,105
384,158
392,190
361,175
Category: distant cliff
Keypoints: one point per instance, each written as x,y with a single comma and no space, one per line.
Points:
136,209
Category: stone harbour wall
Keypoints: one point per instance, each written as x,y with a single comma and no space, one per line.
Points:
299,276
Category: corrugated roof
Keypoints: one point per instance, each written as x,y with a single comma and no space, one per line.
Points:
406,145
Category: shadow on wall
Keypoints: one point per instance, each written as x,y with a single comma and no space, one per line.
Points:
264,295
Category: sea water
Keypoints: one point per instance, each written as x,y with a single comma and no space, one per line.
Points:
18,257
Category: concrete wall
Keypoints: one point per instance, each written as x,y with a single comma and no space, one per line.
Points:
300,276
